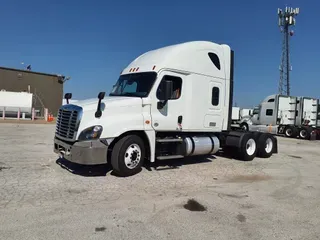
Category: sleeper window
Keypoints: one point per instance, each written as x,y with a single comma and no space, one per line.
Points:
215,96
215,60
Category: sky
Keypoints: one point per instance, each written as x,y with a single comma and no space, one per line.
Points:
92,41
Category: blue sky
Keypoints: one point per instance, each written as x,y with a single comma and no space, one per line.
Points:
92,41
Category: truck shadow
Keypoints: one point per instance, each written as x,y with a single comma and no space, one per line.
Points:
103,169
228,155
84,170
170,164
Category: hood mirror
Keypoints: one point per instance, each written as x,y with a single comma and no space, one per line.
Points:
100,97
68,96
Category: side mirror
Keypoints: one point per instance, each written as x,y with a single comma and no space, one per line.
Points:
166,90
68,96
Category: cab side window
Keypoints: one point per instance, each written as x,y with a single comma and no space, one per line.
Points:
177,86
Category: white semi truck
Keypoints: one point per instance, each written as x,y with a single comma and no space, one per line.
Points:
239,113
168,103
286,115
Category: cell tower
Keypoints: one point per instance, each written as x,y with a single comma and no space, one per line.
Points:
286,19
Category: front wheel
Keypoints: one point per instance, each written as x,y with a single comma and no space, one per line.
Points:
244,126
128,155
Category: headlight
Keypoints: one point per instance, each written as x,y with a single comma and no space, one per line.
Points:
93,132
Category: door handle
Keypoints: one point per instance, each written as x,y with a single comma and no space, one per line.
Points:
180,120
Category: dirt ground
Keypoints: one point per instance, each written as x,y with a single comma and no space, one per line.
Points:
218,198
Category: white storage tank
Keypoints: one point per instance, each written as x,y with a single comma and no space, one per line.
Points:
12,101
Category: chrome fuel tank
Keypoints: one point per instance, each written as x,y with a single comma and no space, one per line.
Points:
201,145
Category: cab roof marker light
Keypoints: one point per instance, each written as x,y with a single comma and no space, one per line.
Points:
133,69
137,69
130,70
154,67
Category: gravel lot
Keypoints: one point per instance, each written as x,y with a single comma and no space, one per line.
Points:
276,198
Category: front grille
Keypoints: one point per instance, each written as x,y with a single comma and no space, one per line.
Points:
68,120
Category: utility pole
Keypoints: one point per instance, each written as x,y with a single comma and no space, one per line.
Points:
285,20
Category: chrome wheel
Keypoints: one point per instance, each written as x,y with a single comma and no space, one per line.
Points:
269,145
132,156
251,146
289,132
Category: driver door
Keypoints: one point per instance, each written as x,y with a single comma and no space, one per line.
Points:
171,114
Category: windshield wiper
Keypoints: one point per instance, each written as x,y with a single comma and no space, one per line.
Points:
133,94
125,94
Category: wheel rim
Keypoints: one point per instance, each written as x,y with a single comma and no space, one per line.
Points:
289,132
251,146
303,133
132,156
269,145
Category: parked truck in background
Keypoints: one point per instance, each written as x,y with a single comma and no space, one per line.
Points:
168,103
240,113
286,115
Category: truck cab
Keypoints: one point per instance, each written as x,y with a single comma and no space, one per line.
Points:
168,103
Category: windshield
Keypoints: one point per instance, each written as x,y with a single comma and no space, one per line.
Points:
256,111
134,84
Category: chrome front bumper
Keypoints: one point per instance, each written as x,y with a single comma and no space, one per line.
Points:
86,153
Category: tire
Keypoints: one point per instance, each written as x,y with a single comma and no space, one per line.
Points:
266,145
305,133
291,131
248,147
244,126
127,149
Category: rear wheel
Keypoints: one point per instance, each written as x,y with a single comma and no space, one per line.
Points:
305,133
291,131
248,147
128,155
266,144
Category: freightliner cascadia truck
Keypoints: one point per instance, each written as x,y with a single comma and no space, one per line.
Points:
168,103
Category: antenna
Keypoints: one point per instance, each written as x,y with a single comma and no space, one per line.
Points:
28,66
286,19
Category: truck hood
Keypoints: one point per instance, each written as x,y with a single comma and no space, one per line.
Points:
119,114
109,102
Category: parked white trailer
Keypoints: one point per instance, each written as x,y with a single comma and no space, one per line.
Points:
245,112
239,113
168,103
288,115
235,114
